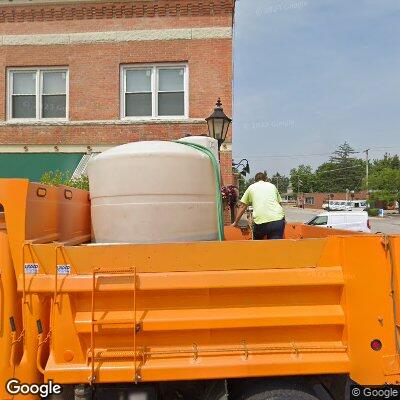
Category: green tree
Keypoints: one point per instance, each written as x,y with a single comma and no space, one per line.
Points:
342,153
388,161
343,171
398,201
381,199
302,179
386,179
281,182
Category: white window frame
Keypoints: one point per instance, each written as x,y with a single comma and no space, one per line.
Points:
310,200
154,90
39,93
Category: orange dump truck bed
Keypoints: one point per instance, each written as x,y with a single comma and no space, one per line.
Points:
76,313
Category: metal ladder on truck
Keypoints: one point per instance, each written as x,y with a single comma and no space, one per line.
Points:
118,353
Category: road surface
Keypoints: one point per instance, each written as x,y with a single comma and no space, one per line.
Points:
388,224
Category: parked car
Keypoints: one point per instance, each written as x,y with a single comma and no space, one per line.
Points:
357,221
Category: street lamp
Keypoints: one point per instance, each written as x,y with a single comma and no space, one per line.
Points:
218,124
246,166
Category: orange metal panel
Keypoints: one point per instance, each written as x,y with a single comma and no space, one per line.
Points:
167,369
10,347
13,194
196,256
223,318
369,307
263,278
232,233
73,217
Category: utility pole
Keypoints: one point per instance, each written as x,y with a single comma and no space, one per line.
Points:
298,184
367,168
298,187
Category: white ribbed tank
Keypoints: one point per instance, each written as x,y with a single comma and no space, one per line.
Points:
154,191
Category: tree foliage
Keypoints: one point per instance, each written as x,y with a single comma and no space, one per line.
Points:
280,181
343,153
302,179
386,179
388,161
342,172
345,170
340,176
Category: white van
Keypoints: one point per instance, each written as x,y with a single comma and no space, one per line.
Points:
353,221
338,205
359,204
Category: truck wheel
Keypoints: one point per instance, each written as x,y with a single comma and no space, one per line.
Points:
67,393
283,394
279,390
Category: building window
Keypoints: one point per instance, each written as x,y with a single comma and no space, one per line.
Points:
310,201
155,91
37,94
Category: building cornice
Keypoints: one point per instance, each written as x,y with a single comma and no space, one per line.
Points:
56,10
116,36
13,3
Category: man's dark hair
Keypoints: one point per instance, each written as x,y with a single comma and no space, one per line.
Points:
260,176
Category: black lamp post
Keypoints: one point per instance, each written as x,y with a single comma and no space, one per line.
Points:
244,164
218,124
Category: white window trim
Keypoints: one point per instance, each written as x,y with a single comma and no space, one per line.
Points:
39,93
154,91
311,201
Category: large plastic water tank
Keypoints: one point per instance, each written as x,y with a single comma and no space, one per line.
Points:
153,191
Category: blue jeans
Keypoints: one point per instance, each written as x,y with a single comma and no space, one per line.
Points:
270,230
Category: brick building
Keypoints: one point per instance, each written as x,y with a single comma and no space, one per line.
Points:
81,76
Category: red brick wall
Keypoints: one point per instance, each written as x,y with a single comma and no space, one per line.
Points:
94,69
226,168
94,73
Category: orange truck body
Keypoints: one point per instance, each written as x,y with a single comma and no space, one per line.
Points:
94,313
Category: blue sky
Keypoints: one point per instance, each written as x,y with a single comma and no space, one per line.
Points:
310,74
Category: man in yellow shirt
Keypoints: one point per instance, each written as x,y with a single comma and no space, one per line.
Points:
268,214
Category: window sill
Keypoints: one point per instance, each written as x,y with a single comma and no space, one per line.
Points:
125,121
36,121
153,119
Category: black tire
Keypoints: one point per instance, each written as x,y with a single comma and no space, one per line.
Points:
279,390
282,394
67,394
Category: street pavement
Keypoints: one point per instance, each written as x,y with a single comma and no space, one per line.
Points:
388,224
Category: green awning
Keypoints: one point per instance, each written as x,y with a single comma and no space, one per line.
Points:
34,165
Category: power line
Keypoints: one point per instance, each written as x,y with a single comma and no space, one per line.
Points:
288,155
295,155
384,147
254,157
